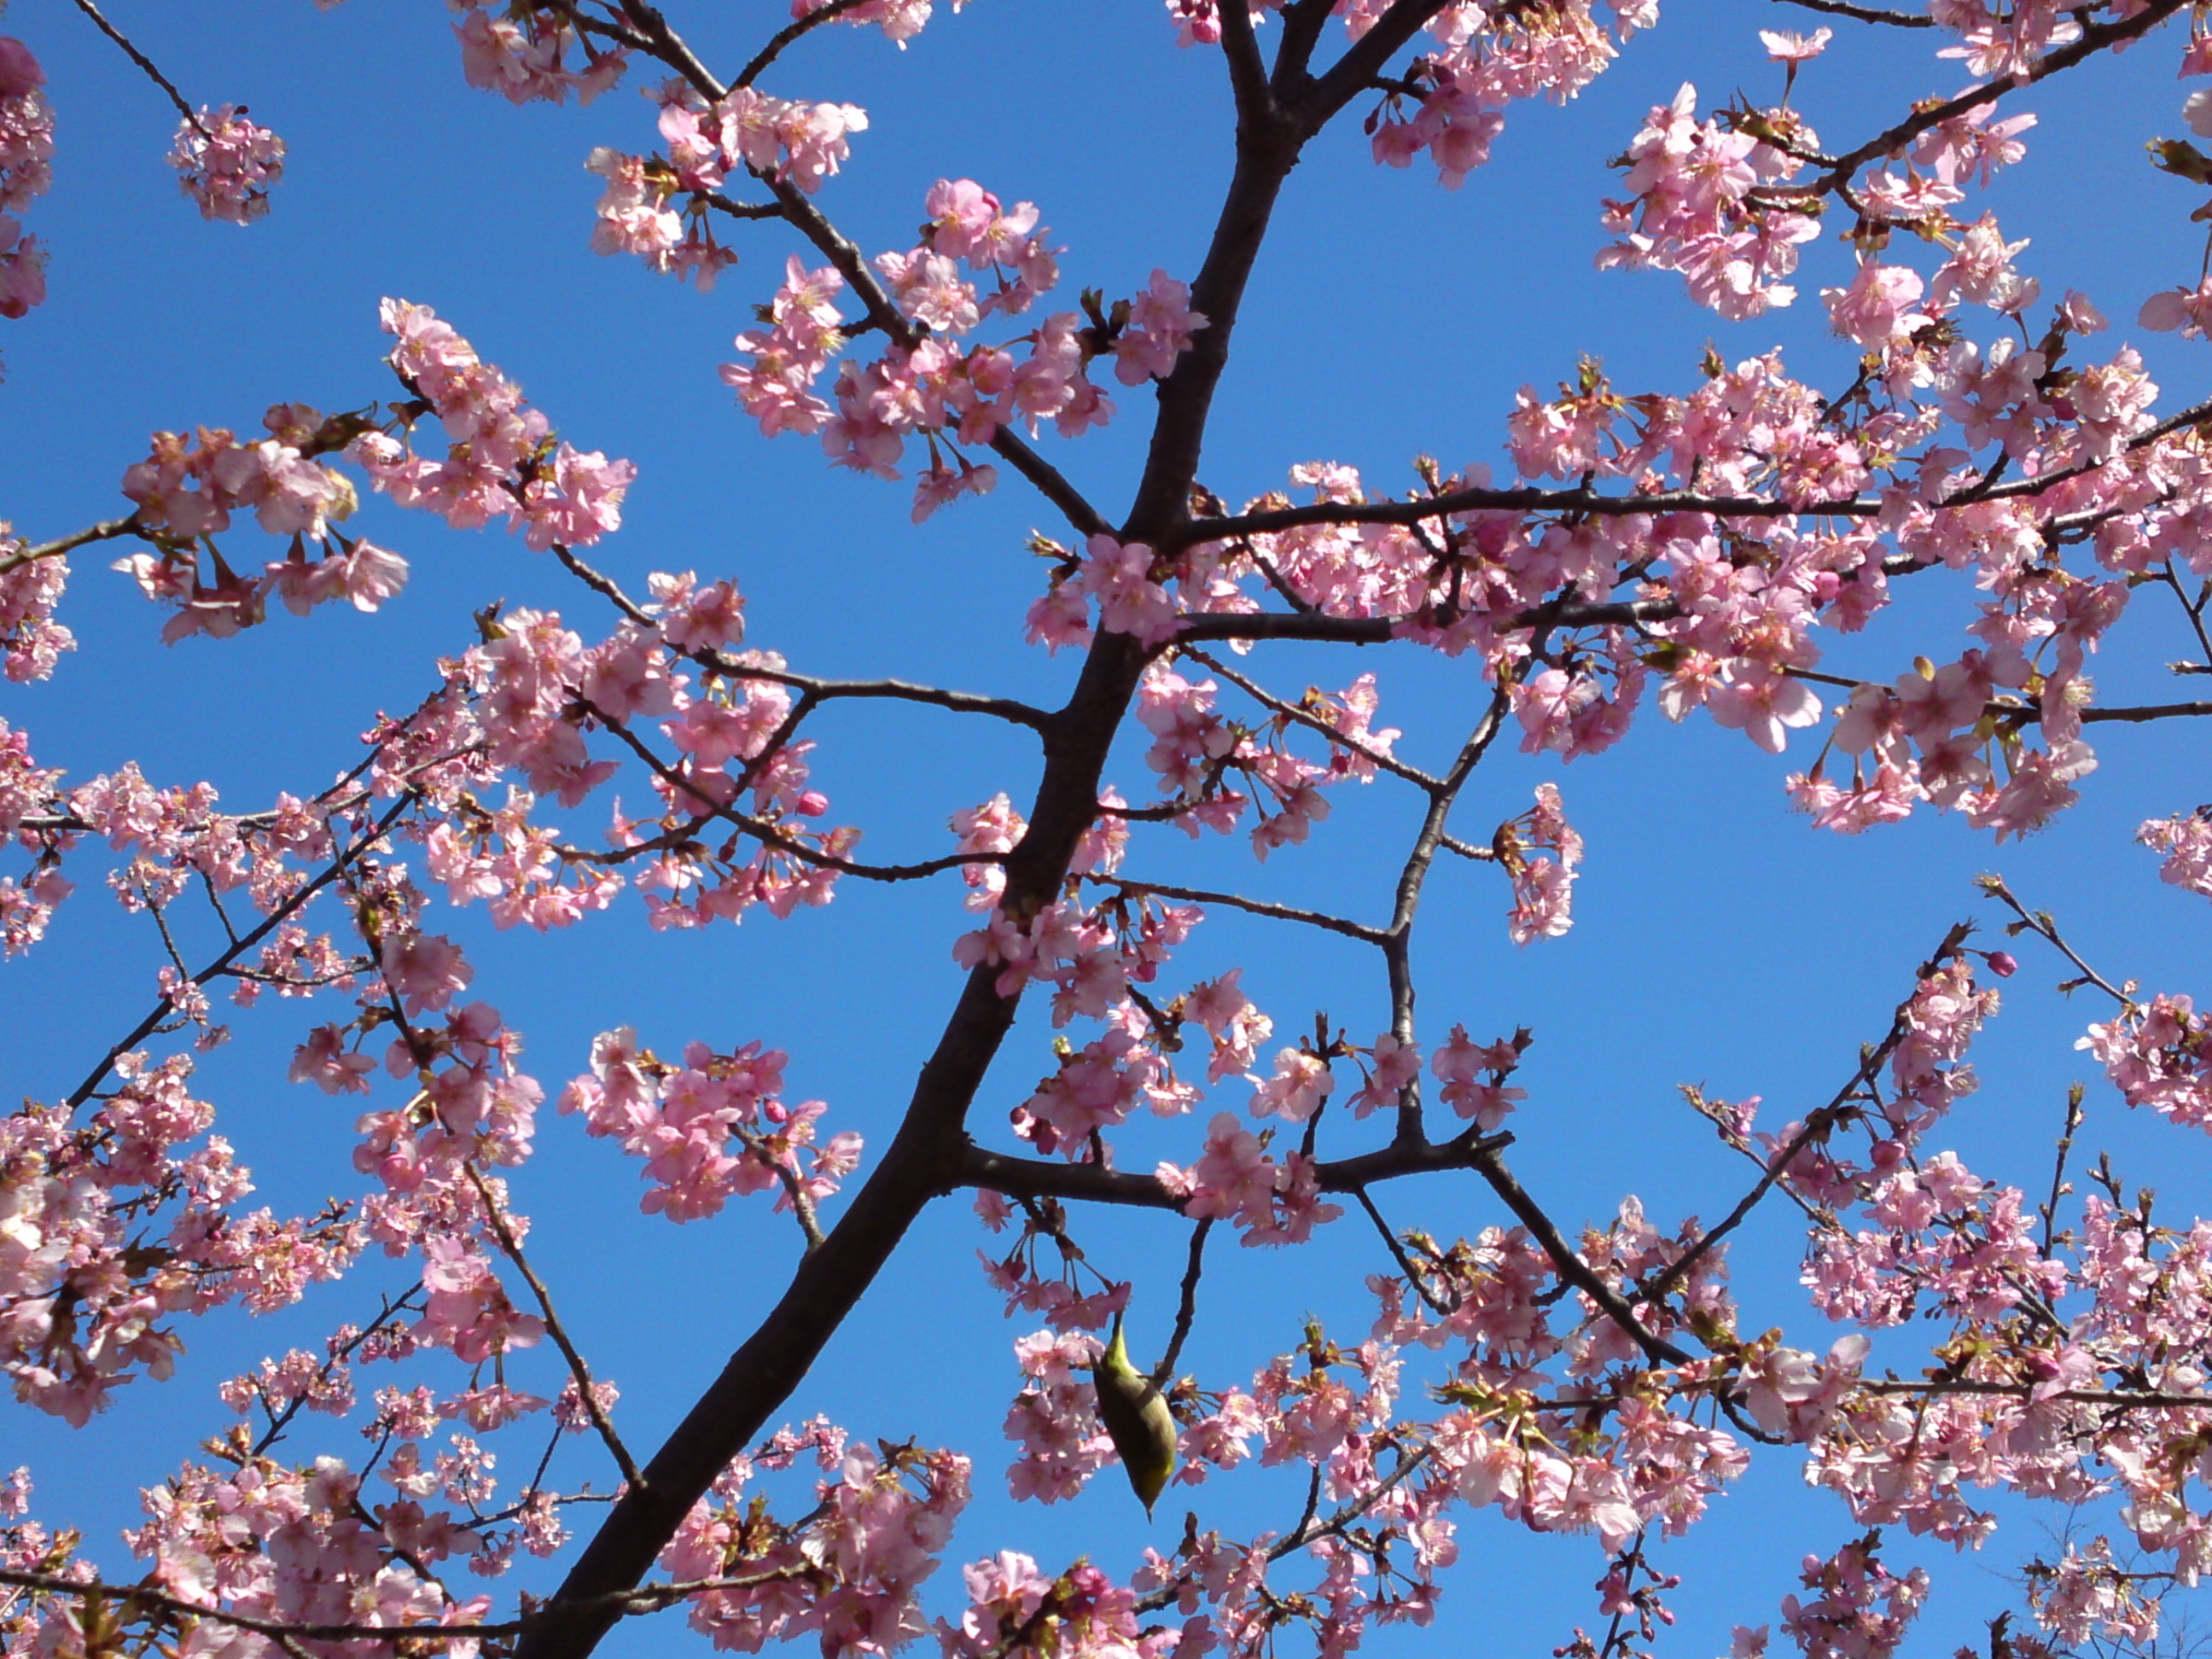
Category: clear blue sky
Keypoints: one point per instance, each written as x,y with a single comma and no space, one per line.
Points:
1719,938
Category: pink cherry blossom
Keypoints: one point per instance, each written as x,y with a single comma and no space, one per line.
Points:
226,163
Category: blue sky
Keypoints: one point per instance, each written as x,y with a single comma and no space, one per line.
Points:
1718,939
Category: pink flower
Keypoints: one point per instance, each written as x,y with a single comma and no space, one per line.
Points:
1878,305
425,969
2189,310
1301,1082
321,1061
1763,704
227,164
20,72
22,270
1119,576
1159,330
1396,1065
1795,49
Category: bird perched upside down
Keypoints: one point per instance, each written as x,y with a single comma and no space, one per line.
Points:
1137,1419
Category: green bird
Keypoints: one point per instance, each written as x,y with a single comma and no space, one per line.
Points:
1138,1419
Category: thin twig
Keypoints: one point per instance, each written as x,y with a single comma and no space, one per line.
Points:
282,913
578,1370
789,32
775,840
143,63
824,690
1816,1123
2040,924
2074,1116
1901,19
1412,877
1291,711
1442,1311
1350,929
802,1204
1187,1304
105,529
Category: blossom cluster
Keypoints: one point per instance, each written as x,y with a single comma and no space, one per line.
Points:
851,1576
31,640
899,20
924,385
1595,1382
87,1290
226,163
27,149
185,491
523,54
710,1129
1485,61
1197,752
505,461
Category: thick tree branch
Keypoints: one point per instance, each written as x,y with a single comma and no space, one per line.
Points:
1362,62
926,1152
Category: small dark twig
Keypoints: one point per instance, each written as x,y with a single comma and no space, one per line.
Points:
1442,1310
578,1369
2074,1116
1901,19
144,63
789,32
1350,929
1187,1308
1816,1123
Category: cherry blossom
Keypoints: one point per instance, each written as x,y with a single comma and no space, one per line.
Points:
1731,536
226,163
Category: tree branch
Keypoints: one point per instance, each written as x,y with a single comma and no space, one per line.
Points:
1817,1122
144,63
1010,709
1349,928
1186,1305
1412,877
1095,1184
107,530
578,1370
282,913
1291,711
1569,1266
789,32
1868,13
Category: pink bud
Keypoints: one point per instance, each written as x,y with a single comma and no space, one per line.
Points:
2002,964
19,70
